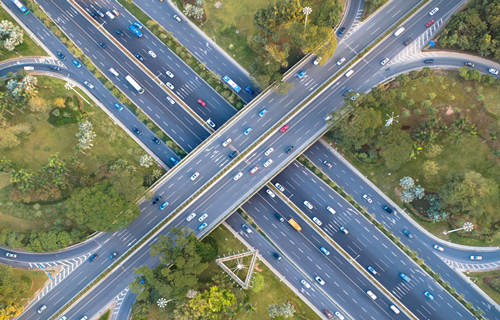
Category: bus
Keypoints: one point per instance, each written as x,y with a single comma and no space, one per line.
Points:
135,30
134,84
231,83
21,7
294,224
399,31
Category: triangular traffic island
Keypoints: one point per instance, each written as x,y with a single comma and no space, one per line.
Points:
239,266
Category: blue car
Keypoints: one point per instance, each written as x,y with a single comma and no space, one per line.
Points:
163,205
341,31
113,255
137,24
301,74
137,131
404,277
156,140
262,112
77,63
118,106
325,251
372,271
173,160
249,90
202,226
407,233
102,45
247,131
92,257
428,295
60,55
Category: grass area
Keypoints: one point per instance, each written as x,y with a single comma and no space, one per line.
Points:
27,48
489,282
35,280
371,6
105,316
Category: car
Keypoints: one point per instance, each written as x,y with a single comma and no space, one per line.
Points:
227,142
139,57
169,74
88,84
319,280
156,200
327,164
340,31
317,221
202,217
262,112
118,106
119,32
10,255
268,151
428,295
384,61
430,23
493,71
301,74
93,14
246,228
433,11
328,314
394,309
177,18
113,255
305,283
429,61
249,90
367,198
232,154
325,251
102,45
277,256
137,131
268,163
156,140
247,131
387,208
317,61
270,193
340,61
469,64
289,149
194,176
331,210
191,217
371,294
279,217
201,103
407,41
372,271
344,230
138,25
279,187
173,160
308,205
407,233
404,277
210,123
163,205
355,96
63,318
471,257
346,92
84,318
169,99
169,85
77,63
438,247
284,128
254,170
152,53
41,308
202,226
60,55
238,176
99,13
55,68
339,315
92,257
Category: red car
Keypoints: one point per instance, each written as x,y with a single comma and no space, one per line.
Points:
284,128
430,23
254,169
203,103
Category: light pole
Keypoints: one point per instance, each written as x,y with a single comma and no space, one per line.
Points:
307,11
468,226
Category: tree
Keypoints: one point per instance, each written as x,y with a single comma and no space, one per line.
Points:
214,303
8,138
146,161
406,183
395,147
361,127
430,169
10,35
38,104
86,135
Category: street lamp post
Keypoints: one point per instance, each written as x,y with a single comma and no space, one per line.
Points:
307,11
468,226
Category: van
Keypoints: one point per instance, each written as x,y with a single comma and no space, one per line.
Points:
110,15
113,72
349,73
399,31
29,68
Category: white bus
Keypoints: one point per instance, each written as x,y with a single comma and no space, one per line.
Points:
134,84
399,31
231,83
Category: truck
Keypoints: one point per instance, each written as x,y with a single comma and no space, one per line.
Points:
294,224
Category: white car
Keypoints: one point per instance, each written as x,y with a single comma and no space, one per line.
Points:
384,61
308,205
268,163
433,11
238,176
63,318
202,217
317,221
438,247
170,74
270,193
170,86
316,61
268,151
371,295
339,315
367,198
471,257
493,71
10,255
305,283
344,230
88,84
331,210
319,280
195,175
152,53
169,99
279,187
394,309
191,216
210,123
340,61
227,142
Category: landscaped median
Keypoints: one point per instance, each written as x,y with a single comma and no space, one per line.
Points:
410,253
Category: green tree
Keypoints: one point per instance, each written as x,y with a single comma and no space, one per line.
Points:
215,303
395,147
361,127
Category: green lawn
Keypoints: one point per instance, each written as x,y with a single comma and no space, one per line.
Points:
483,280
35,278
105,316
27,48
372,6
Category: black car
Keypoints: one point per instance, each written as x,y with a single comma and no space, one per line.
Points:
340,31
407,41
155,200
429,61
156,140
249,90
119,32
93,14
55,68
233,154
137,131
289,149
387,208
277,256
469,64
60,55
138,56
102,44
279,217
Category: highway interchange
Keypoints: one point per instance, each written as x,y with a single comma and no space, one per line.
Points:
208,203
